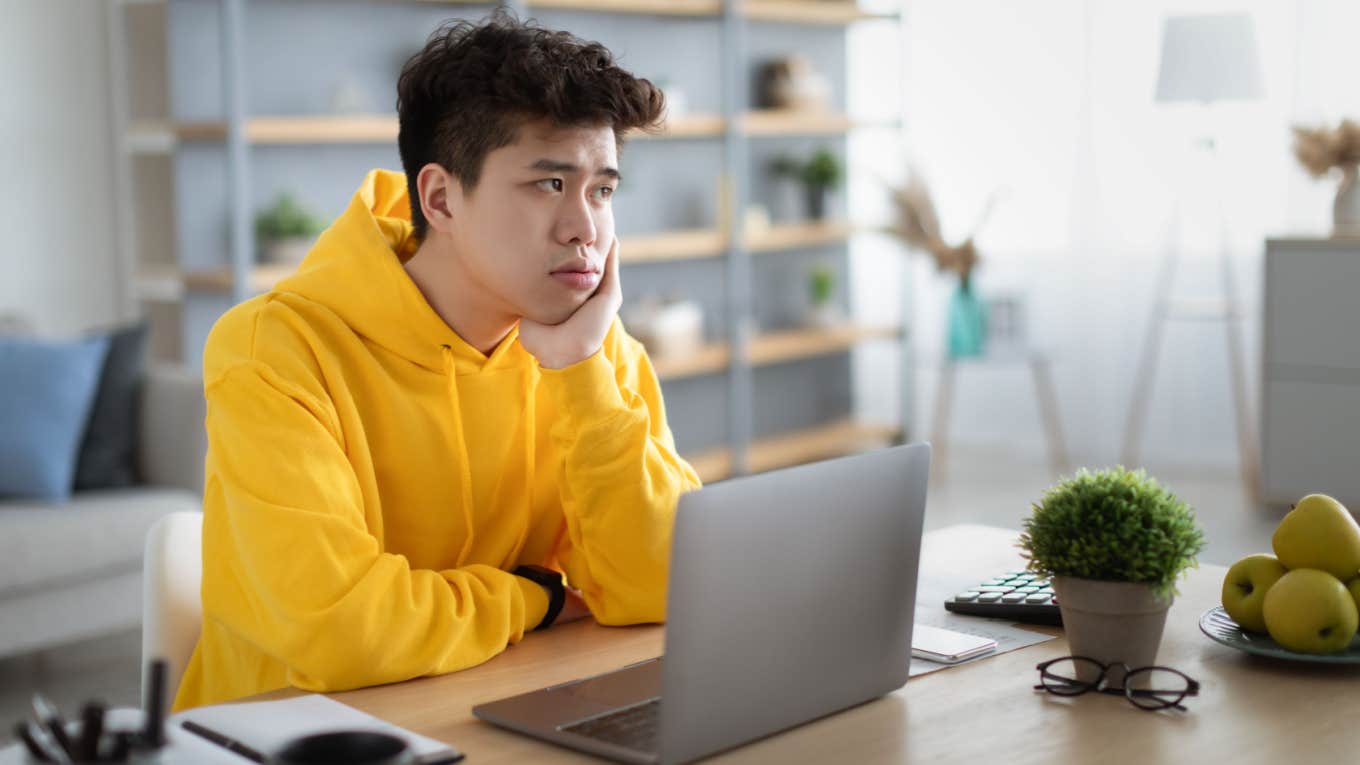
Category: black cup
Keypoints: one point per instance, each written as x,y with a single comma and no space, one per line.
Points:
345,748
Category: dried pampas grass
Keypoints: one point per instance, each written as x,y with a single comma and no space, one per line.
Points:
1320,149
919,226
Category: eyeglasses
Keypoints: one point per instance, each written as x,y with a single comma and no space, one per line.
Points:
1150,688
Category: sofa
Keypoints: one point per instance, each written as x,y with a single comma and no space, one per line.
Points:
73,571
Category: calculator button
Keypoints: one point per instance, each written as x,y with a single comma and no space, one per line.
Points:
1047,590
967,597
1040,582
995,582
1036,598
994,588
989,597
1028,589
1013,597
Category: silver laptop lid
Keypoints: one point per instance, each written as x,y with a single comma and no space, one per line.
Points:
791,597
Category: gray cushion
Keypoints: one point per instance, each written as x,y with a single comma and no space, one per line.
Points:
93,534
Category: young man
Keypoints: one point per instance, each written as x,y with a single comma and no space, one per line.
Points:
441,403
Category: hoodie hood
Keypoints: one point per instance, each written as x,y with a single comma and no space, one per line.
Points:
355,270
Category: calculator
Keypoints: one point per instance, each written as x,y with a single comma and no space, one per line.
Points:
1016,595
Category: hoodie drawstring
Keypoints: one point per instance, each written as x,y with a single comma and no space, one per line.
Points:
465,463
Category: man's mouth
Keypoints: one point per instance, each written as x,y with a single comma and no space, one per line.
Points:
578,276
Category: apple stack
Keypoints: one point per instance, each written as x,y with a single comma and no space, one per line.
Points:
1306,595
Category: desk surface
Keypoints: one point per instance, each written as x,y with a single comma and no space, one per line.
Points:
1249,709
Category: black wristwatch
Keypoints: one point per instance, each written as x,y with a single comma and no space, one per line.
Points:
557,592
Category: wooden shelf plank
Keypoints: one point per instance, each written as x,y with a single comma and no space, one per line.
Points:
339,129
672,245
823,442
778,347
835,439
808,11
712,465
686,126
766,122
651,7
794,235
714,357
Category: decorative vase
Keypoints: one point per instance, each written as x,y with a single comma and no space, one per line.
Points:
967,323
1111,622
816,202
1346,208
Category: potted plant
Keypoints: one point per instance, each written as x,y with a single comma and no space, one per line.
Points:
1113,543
820,175
286,231
822,289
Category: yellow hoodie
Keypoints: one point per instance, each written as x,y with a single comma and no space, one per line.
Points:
372,478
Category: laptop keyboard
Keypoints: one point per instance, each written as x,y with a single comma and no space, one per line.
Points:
634,727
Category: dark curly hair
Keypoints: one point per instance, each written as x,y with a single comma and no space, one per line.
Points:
466,93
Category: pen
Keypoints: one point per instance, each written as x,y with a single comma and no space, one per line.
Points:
40,744
51,720
153,734
446,757
91,730
225,742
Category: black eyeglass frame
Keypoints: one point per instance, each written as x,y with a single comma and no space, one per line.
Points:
1100,684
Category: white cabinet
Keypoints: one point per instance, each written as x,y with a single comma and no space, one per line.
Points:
1310,396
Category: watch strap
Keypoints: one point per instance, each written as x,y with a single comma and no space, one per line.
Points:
557,591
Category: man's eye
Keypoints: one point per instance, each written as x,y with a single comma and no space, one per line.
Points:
550,184
604,192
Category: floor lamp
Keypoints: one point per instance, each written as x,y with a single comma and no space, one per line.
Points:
1205,59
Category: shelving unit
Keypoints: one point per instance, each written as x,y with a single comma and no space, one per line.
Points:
171,284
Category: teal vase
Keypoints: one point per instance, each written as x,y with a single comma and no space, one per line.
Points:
967,323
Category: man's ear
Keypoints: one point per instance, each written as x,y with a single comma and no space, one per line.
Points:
437,188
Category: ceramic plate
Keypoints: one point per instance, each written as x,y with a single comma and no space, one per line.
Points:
1221,628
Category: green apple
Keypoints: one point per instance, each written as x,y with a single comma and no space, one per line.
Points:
1245,587
1311,611
1354,586
1319,533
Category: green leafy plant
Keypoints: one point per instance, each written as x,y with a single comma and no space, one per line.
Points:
821,284
785,166
1113,525
823,171
286,219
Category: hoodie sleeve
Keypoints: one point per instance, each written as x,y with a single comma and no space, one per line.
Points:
292,564
621,481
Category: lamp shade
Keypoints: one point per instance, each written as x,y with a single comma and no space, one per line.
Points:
1209,58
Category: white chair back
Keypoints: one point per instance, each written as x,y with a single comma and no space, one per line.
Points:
172,609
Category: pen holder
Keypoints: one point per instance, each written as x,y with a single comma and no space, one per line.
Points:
97,737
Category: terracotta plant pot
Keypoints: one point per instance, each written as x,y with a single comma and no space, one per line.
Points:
1112,621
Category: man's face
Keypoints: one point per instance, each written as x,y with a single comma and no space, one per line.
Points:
536,230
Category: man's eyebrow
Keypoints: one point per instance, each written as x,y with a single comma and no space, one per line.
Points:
553,166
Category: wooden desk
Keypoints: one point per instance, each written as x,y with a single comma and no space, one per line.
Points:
1249,709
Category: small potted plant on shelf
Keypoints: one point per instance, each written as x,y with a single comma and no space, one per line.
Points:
1320,151
286,231
1113,543
822,291
820,175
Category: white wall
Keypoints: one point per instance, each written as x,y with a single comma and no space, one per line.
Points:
57,255
1052,101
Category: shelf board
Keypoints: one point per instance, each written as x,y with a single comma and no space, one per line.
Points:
793,345
790,236
822,442
808,11
714,357
769,122
146,137
835,439
673,245
651,7
771,348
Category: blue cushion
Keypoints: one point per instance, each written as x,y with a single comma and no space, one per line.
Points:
48,390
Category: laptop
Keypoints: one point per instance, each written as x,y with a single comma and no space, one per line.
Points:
791,597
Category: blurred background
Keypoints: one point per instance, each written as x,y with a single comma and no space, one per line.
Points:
1041,235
